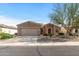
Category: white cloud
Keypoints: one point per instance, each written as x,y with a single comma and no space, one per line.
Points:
10,21
13,22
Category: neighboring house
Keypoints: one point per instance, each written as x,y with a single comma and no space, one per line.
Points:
30,28
8,29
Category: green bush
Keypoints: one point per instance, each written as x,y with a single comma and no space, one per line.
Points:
5,36
61,33
50,34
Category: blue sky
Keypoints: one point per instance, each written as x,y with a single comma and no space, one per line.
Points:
13,14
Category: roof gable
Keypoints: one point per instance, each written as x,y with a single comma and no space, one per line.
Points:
30,24
50,24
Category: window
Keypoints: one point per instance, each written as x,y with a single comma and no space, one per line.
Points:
41,30
76,31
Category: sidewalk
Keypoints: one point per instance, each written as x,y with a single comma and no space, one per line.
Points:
40,44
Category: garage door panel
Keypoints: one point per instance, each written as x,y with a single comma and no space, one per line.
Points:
30,32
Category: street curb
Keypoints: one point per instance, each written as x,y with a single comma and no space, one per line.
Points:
41,44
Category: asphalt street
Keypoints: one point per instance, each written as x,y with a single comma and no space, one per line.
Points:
39,51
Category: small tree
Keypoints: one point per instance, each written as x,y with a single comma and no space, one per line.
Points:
67,15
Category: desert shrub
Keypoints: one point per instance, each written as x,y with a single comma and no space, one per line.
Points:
5,36
70,34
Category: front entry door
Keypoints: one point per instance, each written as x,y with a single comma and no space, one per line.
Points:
49,31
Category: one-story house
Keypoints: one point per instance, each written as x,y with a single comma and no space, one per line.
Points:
8,29
30,28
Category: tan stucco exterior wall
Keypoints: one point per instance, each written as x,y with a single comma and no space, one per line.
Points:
53,29
63,30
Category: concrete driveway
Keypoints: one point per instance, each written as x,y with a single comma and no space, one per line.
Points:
26,38
38,39
39,51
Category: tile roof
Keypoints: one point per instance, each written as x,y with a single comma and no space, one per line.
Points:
29,22
38,23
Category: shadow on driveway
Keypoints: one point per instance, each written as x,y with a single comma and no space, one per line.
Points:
52,40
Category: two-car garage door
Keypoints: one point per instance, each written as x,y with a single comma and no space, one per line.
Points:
30,32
